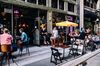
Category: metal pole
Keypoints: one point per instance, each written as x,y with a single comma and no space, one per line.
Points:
12,19
39,27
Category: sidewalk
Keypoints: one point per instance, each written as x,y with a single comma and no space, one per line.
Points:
36,54
39,56
95,61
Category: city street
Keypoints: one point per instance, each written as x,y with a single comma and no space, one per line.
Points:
94,61
39,56
49,32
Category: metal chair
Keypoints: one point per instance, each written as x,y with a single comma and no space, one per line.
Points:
56,54
73,49
24,46
27,46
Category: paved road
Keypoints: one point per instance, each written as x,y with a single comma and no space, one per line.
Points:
45,62
95,61
40,56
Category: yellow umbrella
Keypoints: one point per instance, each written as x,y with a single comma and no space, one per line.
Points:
67,23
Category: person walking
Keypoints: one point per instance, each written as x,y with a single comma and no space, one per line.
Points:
6,38
6,41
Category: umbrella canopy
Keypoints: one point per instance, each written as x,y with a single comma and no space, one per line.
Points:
67,23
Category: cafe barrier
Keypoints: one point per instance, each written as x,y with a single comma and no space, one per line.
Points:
81,60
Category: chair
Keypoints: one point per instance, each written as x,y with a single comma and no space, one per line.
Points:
26,46
56,54
73,50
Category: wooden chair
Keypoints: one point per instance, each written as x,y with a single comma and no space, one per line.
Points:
56,54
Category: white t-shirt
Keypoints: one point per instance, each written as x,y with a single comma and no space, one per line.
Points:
55,33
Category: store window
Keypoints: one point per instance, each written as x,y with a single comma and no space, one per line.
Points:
74,0
86,3
71,7
54,3
90,3
42,2
23,0
61,4
32,1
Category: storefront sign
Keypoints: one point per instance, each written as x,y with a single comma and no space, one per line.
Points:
69,18
7,10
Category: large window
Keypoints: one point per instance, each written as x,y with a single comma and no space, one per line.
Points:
71,7
31,1
42,2
54,3
61,4
23,0
90,3
74,0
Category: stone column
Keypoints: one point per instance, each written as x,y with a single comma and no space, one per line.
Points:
47,3
57,4
81,14
25,0
37,2
49,21
65,6
49,18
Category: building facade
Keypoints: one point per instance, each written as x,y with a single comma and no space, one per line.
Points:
88,13
32,13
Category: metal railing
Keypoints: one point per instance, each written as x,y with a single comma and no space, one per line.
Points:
82,60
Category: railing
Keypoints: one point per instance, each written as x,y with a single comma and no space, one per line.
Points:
81,60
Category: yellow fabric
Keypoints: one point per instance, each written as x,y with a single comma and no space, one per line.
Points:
67,23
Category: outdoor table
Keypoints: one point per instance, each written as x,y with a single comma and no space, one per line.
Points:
64,47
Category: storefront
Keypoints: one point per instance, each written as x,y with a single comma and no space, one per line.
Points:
58,17
89,19
5,16
31,20
14,17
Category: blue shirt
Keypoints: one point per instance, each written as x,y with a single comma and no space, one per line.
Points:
24,37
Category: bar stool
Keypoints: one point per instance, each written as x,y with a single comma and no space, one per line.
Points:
6,50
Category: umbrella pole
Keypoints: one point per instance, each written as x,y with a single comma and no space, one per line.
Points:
66,34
